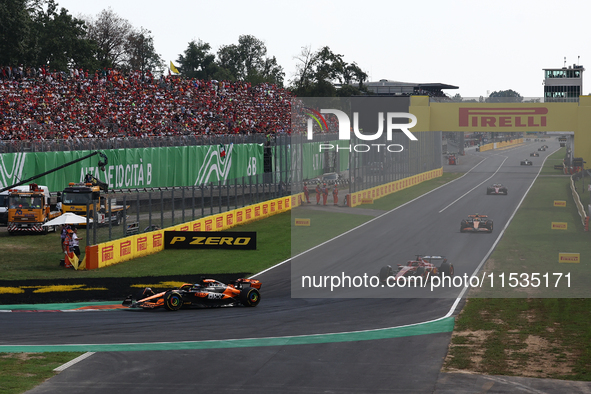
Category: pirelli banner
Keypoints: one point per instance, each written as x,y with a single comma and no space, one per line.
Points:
507,117
210,240
367,195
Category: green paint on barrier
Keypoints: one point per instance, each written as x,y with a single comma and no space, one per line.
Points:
434,327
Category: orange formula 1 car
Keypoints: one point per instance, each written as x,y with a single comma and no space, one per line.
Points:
476,223
207,293
421,266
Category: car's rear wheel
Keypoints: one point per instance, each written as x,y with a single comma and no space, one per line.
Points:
385,272
446,269
250,297
420,271
173,300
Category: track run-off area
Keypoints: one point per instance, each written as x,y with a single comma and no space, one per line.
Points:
309,340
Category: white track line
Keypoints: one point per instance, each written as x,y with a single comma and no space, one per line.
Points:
363,224
471,190
72,362
500,235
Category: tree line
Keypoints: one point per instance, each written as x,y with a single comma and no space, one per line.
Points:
38,33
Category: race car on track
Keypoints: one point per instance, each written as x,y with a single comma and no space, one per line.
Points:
526,162
497,188
534,154
476,223
541,149
421,266
207,293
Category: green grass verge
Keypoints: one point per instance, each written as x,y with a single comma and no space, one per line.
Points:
20,372
534,337
396,199
529,245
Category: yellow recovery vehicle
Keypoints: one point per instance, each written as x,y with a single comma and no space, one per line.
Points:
77,196
29,208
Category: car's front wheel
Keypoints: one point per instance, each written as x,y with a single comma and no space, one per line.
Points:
385,272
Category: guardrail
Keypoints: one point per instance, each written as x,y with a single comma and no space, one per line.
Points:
577,200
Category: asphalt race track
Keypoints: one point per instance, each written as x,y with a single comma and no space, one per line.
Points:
363,362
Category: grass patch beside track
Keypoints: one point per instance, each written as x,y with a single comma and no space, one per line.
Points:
532,337
396,199
20,372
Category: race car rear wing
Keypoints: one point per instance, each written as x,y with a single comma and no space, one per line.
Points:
244,281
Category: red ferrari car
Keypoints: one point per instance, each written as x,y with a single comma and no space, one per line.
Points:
421,266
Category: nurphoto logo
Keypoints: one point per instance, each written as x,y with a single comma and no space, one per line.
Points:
345,129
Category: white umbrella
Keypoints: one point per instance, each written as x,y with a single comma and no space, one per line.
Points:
67,218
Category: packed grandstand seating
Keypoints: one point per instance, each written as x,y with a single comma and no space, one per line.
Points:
39,105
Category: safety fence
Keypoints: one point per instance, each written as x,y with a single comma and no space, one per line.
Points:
135,211
499,145
367,196
577,186
142,244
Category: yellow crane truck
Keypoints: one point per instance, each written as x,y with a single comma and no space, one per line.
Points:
29,207
78,196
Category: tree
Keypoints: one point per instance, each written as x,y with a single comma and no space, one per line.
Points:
504,96
110,32
140,52
304,69
353,73
58,40
15,23
317,73
197,61
248,61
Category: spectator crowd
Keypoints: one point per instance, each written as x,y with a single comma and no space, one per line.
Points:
36,104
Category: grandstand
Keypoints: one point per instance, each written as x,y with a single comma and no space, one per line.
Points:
41,105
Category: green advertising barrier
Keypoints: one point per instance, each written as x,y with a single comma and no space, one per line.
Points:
313,163
307,158
141,167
